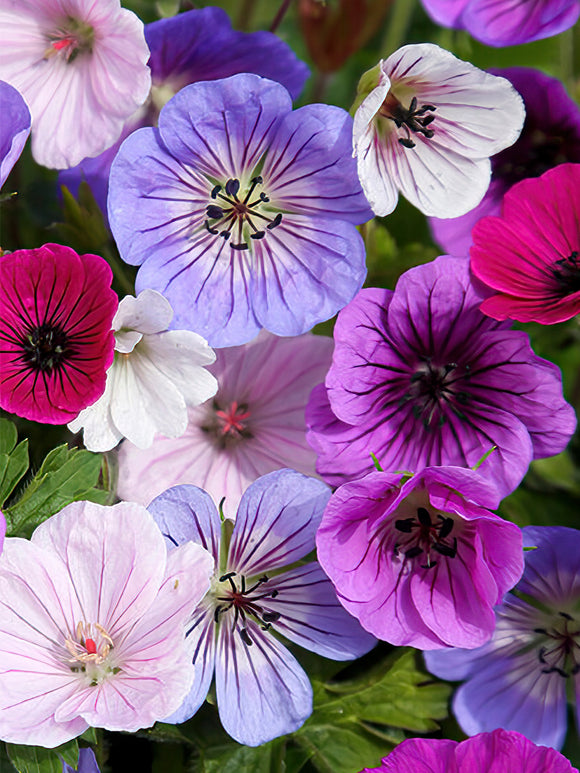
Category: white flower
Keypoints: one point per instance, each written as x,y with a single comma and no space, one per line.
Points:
82,68
157,373
428,127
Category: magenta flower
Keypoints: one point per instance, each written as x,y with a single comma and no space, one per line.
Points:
56,339
420,562
92,624
421,377
498,752
505,22
530,256
255,424
82,68
551,136
262,691
14,128
524,677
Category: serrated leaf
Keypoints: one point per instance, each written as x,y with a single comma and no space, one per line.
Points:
66,475
36,759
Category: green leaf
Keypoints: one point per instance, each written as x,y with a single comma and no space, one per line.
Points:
13,459
36,759
244,759
343,748
8,436
66,475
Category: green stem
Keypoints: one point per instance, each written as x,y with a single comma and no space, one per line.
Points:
399,22
280,15
246,13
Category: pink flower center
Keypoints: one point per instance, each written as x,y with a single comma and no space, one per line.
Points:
71,38
231,421
90,645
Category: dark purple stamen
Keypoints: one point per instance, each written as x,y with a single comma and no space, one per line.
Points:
426,535
243,600
566,272
45,348
562,655
411,119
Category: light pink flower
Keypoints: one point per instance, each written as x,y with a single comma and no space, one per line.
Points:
255,424
92,624
82,68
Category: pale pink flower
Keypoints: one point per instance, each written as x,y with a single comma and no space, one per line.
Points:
81,66
255,424
92,624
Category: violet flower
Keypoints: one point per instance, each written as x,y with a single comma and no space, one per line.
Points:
426,125
530,256
56,340
520,679
14,128
87,763
92,624
240,211
499,752
82,68
504,22
551,136
255,424
262,691
421,377
198,45
420,562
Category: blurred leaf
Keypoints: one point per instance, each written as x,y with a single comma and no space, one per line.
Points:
167,8
84,228
66,475
244,759
36,759
13,459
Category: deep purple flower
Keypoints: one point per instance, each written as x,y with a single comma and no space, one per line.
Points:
87,763
497,752
551,136
262,691
14,128
198,45
505,22
520,679
421,377
420,561
240,211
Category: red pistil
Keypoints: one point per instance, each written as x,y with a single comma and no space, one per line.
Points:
58,45
232,418
90,646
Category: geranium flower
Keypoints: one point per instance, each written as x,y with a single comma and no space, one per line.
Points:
520,680
504,22
421,377
56,340
530,256
497,752
551,136
198,45
420,562
254,424
14,128
426,126
82,68
92,622
87,763
155,375
242,212
262,691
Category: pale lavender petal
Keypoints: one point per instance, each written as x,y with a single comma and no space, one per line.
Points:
14,129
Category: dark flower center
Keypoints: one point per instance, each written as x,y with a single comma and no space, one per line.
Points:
245,603
566,272
227,426
45,347
533,154
422,535
71,38
236,216
410,119
560,652
434,386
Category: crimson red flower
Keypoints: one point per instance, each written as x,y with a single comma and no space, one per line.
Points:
56,339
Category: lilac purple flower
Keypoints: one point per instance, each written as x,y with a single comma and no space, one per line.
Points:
505,22
501,751
262,691
530,256
520,680
198,45
551,136
14,128
82,69
92,624
426,125
87,763
420,561
56,340
421,377
254,425
240,211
